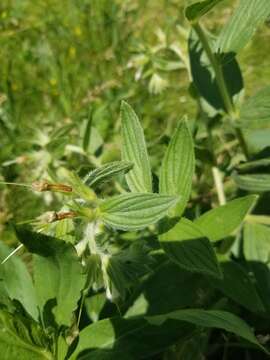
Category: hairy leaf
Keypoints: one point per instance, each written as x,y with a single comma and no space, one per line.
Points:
242,25
134,150
135,211
107,172
78,186
178,167
252,182
220,222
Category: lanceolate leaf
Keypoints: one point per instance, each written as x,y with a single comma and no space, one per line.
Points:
200,8
22,339
134,150
237,285
178,167
241,27
78,186
58,273
252,182
190,249
118,338
220,222
139,338
169,280
17,281
255,112
135,211
213,319
107,172
204,77
257,242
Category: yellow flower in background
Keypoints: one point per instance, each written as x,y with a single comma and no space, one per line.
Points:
4,15
53,82
14,87
77,31
72,52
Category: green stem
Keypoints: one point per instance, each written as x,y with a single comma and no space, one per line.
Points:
229,106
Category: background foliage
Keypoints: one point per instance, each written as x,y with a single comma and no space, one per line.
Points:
65,68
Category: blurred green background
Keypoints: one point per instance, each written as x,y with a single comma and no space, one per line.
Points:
66,65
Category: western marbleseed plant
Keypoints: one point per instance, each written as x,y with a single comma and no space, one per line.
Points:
133,275
40,317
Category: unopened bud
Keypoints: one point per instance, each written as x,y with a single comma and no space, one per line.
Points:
41,186
52,216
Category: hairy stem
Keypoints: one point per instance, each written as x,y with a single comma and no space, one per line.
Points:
219,185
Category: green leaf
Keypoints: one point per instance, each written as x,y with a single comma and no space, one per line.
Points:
169,280
139,338
242,25
257,242
124,268
94,305
78,186
135,211
178,167
255,112
204,78
211,319
252,182
58,274
237,285
134,150
22,339
107,172
253,165
220,222
261,274
125,339
87,133
17,281
195,11
188,247
257,139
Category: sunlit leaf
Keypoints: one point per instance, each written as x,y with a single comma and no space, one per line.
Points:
107,172
178,167
220,222
135,211
252,182
134,150
248,16
257,242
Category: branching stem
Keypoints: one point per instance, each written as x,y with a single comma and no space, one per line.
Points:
229,106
